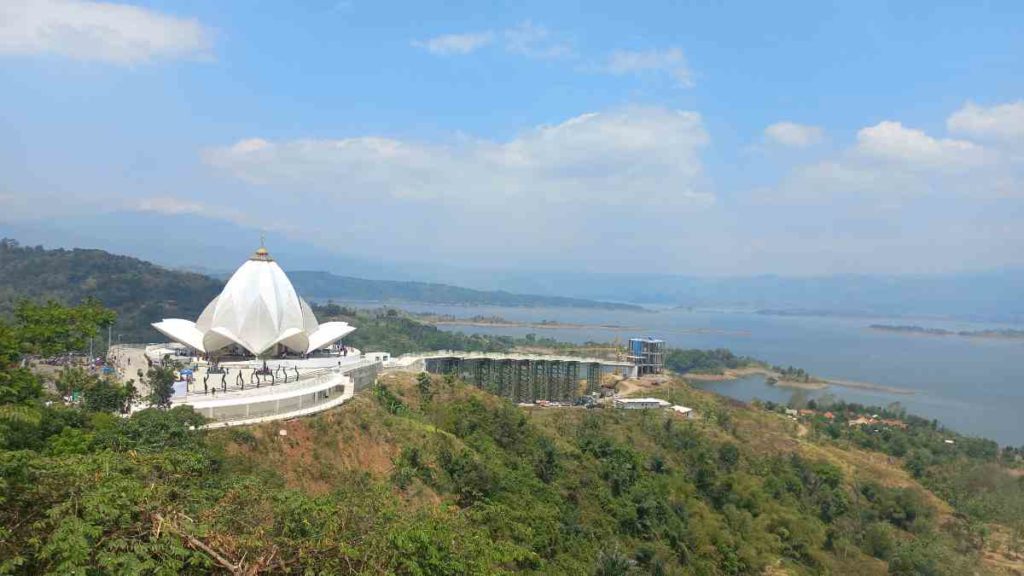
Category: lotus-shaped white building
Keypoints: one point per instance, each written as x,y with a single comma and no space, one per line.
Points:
258,310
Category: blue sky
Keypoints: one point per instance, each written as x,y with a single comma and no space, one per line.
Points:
705,138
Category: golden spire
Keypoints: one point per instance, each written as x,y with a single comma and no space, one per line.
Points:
261,253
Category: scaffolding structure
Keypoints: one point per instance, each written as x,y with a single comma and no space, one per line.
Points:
647,354
523,380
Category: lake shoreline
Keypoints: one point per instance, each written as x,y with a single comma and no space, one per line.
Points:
535,325
814,384
943,373
553,325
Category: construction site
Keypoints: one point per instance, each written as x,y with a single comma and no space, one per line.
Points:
647,354
528,378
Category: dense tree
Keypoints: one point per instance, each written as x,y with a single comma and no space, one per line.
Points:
160,378
50,329
707,361
424,384
106,395
97,393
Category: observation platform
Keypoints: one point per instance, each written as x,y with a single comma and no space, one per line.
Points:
252,391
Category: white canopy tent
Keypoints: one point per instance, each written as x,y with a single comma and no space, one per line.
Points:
257,310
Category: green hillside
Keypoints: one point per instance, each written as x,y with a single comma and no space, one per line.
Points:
424,476
138,291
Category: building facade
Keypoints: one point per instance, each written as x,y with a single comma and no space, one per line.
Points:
648,355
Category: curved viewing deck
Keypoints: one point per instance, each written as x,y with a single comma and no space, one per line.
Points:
252,391
312,392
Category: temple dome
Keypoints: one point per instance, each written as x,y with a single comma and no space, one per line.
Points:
257,310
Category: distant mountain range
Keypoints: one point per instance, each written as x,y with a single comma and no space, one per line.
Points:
324,286
991,296
191,241
142,292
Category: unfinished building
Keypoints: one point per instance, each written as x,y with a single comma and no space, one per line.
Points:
648,355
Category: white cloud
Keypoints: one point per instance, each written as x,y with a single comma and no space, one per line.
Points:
553,191
455,43
671,61
893,142
167,205
890,164
826,182
597,189
794,135
250,145
531,40
117,33
524,39
1000,122
638,156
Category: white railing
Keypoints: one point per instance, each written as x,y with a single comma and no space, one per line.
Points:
305,379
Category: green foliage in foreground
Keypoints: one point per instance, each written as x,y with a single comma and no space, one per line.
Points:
476,486
969,473
52,329
623,492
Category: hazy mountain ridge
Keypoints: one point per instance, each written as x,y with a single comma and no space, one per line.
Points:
985,295
324,285
201,244
142,292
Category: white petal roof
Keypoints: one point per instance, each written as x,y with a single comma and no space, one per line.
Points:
329,332
257,309
183,331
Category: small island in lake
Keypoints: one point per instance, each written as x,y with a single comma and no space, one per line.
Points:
911,329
